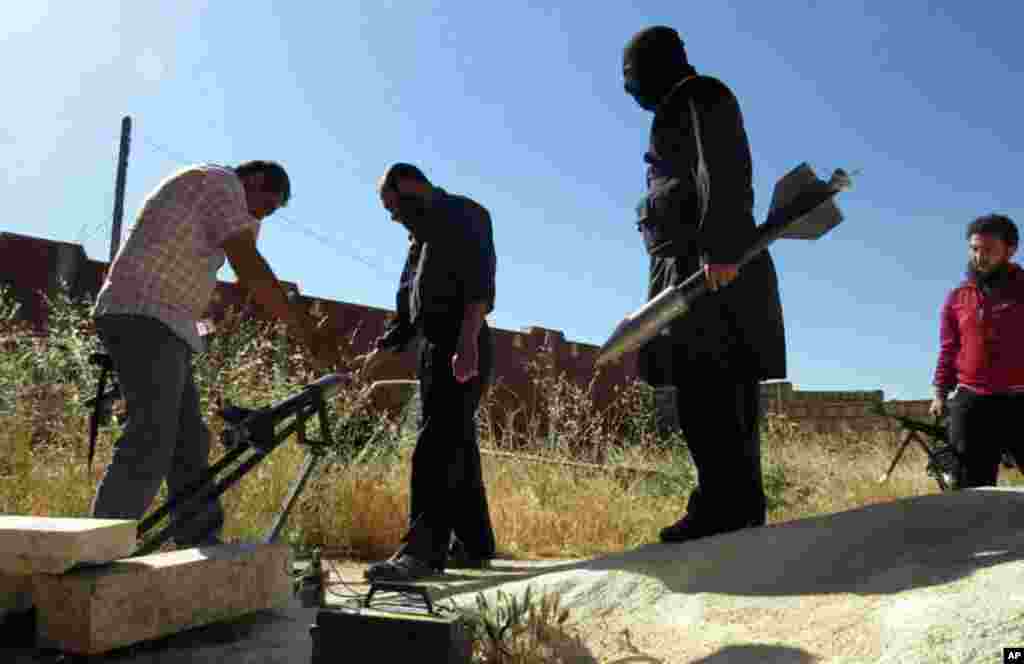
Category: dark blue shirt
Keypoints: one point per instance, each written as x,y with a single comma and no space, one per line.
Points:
451,263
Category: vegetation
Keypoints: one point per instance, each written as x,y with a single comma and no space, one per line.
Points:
356,507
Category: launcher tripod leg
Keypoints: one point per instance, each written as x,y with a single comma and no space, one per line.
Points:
308,466
315,450
899,455
194,503
207,489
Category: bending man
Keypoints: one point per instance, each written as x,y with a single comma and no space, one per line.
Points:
158,286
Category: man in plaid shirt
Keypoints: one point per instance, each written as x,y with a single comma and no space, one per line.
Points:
158,286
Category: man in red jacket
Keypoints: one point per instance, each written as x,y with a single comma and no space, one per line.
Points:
981,357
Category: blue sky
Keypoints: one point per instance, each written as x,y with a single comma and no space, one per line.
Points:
520,105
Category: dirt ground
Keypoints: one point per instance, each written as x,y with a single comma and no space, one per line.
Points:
280,636
927,579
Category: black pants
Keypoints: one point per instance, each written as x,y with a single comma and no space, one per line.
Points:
720,417
719,413
447,493
981,427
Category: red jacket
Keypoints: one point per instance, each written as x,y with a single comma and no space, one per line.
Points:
981,337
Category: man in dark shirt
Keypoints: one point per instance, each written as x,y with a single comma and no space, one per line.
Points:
698,215
446,290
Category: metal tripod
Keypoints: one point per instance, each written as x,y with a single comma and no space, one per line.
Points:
249,437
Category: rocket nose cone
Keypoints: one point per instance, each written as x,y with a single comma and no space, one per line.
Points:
614,346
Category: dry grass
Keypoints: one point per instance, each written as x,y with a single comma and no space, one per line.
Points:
360,508
538,510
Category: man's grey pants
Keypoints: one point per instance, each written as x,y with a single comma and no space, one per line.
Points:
165,437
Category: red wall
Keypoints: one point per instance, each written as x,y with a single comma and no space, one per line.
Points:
29,264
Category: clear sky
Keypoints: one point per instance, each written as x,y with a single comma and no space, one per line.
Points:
520,105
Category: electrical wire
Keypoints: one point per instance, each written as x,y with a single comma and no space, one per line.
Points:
291,226
351,594
400,601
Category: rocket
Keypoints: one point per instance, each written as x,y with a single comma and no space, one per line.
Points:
803,208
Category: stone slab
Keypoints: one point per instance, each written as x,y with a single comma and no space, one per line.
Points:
95,610
392,395
53,545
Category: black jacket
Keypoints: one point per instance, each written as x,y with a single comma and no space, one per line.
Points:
692,215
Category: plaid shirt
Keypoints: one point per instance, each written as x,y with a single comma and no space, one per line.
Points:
167,268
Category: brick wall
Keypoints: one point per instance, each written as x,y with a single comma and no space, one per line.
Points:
831,411
30,265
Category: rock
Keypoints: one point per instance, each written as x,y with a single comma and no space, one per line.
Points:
51,545
98,609
924,579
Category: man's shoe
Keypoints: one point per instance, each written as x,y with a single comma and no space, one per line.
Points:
683,530
210,541
460,558
687,529
400,568
463,560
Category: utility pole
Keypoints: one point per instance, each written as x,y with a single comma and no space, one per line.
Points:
122,168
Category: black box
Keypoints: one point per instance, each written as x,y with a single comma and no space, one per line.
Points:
371,635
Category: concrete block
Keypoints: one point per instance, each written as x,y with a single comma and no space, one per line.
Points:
95,610
51,545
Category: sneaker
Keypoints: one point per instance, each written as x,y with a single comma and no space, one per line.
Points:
400,568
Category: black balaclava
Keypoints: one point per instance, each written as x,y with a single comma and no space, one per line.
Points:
653,61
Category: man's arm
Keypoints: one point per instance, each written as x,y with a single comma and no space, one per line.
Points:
723,235
472,320
400,331
466,361
255,275
477,274
713,202
949,347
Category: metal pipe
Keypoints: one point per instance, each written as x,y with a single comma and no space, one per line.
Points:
122,169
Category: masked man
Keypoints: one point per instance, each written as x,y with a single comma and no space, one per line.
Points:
447,288
981,358
698,215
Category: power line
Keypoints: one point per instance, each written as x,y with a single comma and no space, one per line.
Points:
330,241
91,233
87,232
327,240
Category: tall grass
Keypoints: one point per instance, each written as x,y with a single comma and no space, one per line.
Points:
357,507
